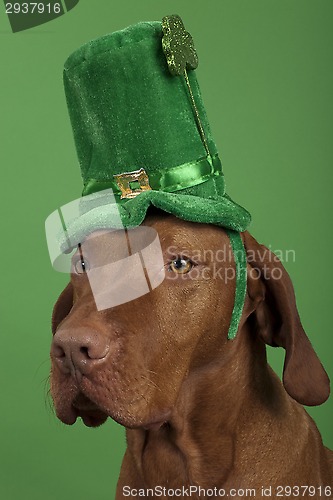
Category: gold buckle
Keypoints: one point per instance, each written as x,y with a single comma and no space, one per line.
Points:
139,180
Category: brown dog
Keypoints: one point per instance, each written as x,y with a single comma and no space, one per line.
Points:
200,410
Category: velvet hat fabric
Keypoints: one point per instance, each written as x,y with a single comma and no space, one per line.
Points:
130,115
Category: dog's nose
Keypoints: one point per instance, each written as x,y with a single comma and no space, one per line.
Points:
79,351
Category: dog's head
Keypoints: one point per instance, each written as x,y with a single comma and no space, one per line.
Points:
130,361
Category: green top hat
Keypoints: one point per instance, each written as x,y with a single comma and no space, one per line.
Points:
143,131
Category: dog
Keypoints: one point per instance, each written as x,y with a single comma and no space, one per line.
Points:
200,411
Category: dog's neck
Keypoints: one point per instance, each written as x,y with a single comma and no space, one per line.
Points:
210,425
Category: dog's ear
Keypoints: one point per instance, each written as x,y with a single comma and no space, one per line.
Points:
279,325
62,307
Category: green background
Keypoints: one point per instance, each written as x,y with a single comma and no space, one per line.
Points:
266,75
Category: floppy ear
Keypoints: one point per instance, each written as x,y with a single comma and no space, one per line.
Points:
279,325
62,307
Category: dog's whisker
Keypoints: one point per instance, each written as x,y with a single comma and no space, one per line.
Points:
151,371
47,394
151,382
40,366
143,397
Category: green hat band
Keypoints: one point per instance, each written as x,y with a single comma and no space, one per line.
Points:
169,179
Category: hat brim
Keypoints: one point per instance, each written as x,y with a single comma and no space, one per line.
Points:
220,211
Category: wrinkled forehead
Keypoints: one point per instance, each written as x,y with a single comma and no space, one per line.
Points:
189,237
175,236
110,245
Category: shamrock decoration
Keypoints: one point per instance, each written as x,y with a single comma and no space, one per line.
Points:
178,46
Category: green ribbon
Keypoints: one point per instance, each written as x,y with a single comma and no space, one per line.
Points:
168,179
241,281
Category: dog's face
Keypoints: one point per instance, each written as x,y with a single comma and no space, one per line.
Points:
129,362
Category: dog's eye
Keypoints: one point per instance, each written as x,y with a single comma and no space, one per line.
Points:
181,265
81,266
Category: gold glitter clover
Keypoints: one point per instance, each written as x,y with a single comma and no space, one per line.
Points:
178,48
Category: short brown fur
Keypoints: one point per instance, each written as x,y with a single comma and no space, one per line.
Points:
199,409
